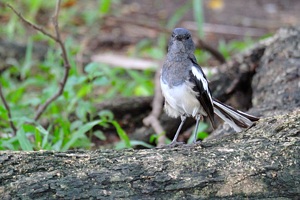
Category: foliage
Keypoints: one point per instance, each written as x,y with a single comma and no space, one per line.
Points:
27,84
234,46
39,81
199,16
72,121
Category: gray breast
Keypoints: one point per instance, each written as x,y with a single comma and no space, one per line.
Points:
176,73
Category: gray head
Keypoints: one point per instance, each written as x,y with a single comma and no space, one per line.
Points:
181,42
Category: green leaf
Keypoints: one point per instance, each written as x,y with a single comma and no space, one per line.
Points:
3,113
106,115
9,143
23,140
153,138
41,137
91,68
38,140
123,136
141,90
25,69
202,126
100,135
14,96
80,133
100,81
120,145
46,135
201,134
156,53
57,145
20,121
82,109
75,125
104,6
42,130
178,15
199,16
141,143
84,90
83,143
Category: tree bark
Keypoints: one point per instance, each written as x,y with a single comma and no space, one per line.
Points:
258,163
262,162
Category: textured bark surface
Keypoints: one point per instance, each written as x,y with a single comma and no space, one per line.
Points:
261,162
276,83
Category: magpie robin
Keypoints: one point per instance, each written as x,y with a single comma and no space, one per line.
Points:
186,89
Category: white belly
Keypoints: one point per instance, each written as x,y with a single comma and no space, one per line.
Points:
181,100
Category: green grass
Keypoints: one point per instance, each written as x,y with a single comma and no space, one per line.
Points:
40,81
29,83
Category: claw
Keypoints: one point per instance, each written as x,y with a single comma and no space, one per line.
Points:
171,145
175,143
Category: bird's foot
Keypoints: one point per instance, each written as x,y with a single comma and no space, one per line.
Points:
175,144
171,145
197,142
194,144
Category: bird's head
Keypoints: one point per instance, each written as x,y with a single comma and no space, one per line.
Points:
181,42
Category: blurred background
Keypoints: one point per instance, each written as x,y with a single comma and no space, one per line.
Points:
114,47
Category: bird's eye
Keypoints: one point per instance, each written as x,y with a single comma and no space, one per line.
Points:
188,37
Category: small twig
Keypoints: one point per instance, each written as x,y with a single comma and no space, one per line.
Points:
58,39
158,98
8,111
43,107
152,118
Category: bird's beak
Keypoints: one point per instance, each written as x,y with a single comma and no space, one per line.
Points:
178,38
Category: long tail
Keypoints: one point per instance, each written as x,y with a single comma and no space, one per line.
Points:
235,118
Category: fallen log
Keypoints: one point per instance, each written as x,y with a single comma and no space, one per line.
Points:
262,162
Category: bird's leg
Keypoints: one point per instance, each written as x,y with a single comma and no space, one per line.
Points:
198,118
174,141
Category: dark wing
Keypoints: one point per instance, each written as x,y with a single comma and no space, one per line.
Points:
203,90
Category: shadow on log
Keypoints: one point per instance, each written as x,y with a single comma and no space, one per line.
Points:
261,162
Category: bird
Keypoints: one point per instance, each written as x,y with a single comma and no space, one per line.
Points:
186,89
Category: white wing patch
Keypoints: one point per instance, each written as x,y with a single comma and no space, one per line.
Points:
201,78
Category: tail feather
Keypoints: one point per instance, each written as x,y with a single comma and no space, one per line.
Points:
235,118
